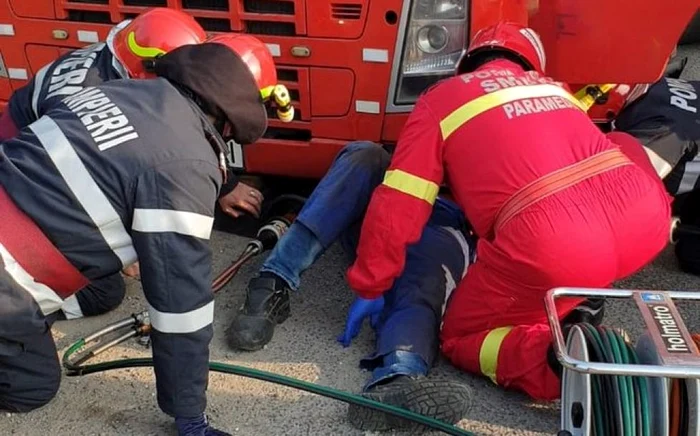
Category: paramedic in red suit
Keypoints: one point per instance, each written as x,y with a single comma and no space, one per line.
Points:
554,202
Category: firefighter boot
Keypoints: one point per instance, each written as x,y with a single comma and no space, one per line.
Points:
266,305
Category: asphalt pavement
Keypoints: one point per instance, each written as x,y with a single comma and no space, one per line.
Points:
123,402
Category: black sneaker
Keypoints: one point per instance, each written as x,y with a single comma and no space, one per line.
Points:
266,305
445,400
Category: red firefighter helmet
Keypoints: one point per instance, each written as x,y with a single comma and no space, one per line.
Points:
256,56
152,34
508,37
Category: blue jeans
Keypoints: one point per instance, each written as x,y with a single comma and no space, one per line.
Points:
407,333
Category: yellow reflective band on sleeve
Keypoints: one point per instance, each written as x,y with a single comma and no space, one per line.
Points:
142,52
488,356
508,95
412,185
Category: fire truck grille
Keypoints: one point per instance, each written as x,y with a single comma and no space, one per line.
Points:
268,7
270,28
146,3
257,17
346,11
214,24
208,5
284,75
88,16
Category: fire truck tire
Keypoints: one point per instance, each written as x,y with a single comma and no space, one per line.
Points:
692,32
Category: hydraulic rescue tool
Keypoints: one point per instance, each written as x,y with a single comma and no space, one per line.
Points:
138,326
612,387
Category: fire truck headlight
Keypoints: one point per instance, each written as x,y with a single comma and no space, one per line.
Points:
432,39
435,35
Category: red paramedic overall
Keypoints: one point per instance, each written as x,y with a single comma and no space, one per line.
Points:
554,201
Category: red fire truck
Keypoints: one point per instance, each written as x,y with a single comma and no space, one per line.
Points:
354,68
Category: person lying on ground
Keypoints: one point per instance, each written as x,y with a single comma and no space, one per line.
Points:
406,320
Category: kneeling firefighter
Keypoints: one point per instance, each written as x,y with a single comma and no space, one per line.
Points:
122,56
82,198
553,201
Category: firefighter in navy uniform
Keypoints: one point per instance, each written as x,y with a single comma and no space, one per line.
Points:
128,44
664,118
123,171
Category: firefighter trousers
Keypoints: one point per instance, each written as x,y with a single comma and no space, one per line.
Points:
591,234
334,212
30,373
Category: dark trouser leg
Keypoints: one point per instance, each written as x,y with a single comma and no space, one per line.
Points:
413,306
99,297
407,335
29,370
338,201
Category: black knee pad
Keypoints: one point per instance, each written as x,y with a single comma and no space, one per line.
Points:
102,295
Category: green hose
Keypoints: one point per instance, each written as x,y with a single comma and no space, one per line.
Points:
74,370
627,394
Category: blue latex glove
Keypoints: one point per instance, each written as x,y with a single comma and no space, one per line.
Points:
198,426
360,309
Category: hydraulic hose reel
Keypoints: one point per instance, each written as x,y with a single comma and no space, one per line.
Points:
612,387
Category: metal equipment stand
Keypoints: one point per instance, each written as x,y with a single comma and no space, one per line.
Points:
610,387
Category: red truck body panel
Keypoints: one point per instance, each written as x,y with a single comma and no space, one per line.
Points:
339,57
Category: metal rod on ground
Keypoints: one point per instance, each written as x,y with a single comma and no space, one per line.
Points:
229,273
